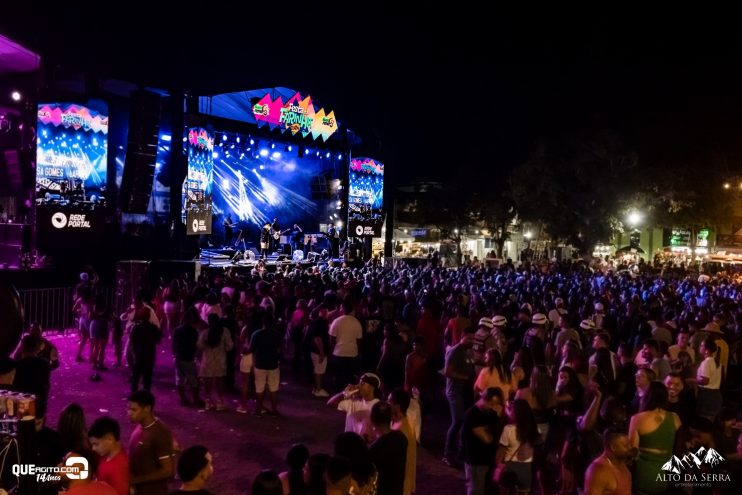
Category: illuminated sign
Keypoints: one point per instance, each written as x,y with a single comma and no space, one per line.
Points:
365,197
71,167
198,183
297,115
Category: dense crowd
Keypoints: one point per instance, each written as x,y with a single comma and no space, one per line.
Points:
558,378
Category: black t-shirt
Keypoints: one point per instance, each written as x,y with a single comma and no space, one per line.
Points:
476,452
685,407
185,339
389,453
266,348
319,328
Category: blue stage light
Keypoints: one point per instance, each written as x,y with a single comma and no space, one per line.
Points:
237,139
327,155
225,184
262,167
264,152
289,148
340,156
231,147
273,145
252,141
317,153
215,155
167,137
276,154
224,137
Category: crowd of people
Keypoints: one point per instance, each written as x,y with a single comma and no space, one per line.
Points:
557,378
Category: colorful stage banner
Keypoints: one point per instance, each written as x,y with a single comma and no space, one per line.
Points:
71,168
365,197
297,115
198,184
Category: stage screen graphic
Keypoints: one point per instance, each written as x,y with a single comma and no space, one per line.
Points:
365,197
257,181
198,184
71,168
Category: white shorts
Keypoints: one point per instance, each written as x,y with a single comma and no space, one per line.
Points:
271,378
319,368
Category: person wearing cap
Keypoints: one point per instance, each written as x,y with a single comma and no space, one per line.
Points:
356,402
499,328
195,467
483,341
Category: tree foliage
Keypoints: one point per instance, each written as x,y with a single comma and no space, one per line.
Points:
579,186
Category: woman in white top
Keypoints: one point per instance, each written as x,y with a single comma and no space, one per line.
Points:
514,458
708,379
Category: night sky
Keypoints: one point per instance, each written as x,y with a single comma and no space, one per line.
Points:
433,92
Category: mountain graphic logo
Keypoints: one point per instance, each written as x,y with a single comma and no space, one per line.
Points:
693,460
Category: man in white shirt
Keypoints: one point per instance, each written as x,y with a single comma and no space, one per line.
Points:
356,401
345,338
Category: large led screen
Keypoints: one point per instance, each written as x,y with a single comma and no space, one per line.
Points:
198,184
71,165
259,181
365,197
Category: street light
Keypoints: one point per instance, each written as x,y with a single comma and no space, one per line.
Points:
528,235
634,218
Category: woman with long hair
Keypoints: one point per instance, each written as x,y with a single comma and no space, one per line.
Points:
515,454
293,480
494,374
602,371
72,428
214,344
364,476
652,431
541,397
314,474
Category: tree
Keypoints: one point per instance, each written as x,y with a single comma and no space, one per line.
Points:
578,185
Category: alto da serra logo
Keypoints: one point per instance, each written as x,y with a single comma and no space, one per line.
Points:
694,468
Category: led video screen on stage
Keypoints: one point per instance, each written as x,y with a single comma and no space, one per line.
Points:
71,168
365,197
258,181
197,186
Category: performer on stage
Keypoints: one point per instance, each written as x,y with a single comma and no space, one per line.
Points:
265,240
228,230
297,238
334,238
276,231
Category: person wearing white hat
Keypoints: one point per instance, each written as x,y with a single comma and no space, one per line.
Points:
482,341
500,323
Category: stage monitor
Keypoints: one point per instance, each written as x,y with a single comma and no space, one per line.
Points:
71,168
365,197
198,183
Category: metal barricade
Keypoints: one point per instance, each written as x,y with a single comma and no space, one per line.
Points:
52,307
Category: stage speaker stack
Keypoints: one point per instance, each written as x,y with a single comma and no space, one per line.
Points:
141,151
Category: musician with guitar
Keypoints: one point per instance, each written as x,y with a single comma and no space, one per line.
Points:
276,231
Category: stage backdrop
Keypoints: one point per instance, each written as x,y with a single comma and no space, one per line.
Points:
365,197
256,181
71,168
198,184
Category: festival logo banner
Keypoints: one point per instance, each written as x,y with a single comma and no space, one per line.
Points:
297,115
71,168
198,183
365,197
